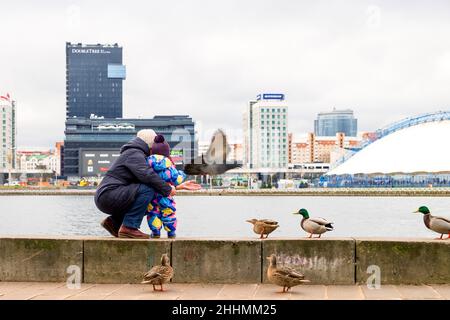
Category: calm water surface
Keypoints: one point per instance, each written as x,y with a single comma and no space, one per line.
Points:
224,216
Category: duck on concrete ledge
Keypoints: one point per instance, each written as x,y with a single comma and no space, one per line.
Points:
283,276
314,225
437,224
158,275
263,226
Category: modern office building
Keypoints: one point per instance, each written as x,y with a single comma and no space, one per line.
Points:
94,75
8,133
265,132
95,129
91,145
330,123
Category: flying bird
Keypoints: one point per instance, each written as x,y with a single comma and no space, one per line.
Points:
214,161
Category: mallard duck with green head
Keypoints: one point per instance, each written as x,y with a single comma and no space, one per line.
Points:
437,224
159,275
314,225
283,276
263,226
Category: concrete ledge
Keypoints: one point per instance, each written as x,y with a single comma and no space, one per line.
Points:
404,261
40,259
120,260
324,261
217,261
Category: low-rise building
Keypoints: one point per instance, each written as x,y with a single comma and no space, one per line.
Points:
319,149
37,160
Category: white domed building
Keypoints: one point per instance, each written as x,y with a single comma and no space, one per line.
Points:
414,151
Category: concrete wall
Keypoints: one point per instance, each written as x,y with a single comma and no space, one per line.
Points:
120,260
38,259
217,261
323,261
405,261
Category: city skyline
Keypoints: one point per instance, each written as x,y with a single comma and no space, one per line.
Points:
179,57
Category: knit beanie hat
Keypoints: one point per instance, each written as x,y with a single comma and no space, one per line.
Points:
148,135
160,146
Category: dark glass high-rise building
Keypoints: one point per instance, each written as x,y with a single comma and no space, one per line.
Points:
330,123
95,129
94,75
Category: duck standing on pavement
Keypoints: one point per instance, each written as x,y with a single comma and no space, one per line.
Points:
160,274
283,276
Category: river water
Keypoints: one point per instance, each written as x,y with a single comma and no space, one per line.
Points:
224,216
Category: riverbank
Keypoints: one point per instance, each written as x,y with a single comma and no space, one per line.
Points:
347,192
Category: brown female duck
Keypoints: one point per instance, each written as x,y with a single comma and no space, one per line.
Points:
283,276
263,226
158,275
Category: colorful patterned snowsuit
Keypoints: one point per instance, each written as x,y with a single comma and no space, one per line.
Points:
161,210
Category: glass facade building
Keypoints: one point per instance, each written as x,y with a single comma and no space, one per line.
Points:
330,123
94,136
94,75
95,130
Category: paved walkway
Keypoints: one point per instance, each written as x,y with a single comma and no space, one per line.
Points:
177,291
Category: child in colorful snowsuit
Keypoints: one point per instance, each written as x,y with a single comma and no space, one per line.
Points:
162,210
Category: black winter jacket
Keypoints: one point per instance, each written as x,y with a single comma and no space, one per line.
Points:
117,191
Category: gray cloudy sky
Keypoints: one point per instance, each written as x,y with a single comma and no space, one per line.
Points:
384,59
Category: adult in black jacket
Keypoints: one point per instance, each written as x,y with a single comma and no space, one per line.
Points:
128,187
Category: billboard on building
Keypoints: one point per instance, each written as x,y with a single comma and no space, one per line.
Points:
96,162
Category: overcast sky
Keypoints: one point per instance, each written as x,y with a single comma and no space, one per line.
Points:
384,59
